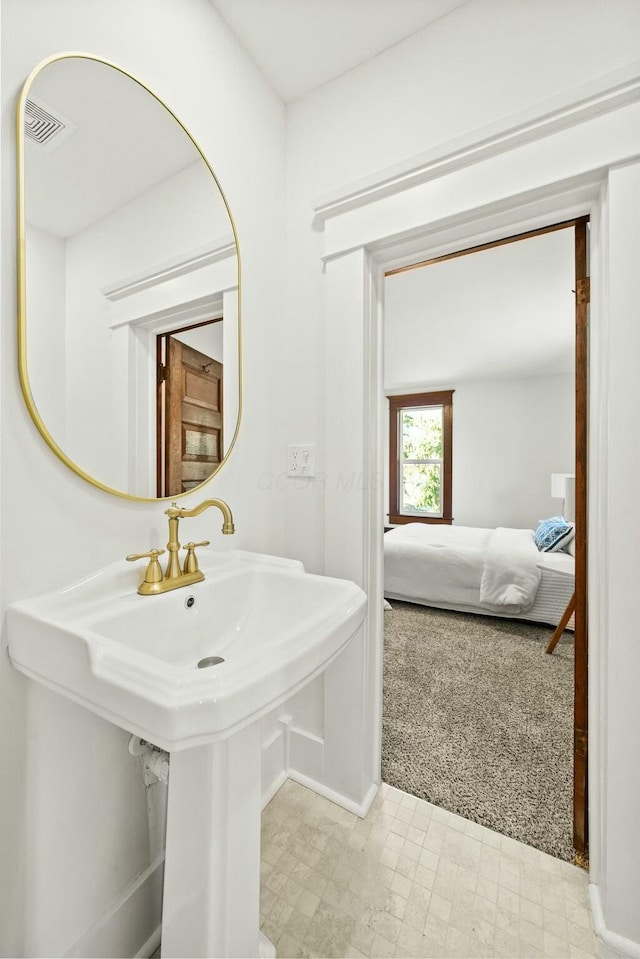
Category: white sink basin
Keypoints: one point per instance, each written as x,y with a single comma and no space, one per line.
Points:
134,659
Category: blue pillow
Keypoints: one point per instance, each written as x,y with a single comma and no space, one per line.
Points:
554,534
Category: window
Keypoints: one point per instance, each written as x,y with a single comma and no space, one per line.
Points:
420,446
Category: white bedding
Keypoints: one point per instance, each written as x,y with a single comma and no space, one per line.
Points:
496,572
510,572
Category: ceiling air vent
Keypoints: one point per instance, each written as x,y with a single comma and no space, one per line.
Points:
45,126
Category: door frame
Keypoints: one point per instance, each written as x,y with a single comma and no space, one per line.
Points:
355,287
134,364
579,228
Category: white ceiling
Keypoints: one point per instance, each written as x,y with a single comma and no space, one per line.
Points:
503,312
125,144
301,44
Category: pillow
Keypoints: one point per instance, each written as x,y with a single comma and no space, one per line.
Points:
554,534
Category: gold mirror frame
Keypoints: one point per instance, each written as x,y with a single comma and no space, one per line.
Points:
22,286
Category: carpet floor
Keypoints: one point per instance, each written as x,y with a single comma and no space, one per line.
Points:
478,720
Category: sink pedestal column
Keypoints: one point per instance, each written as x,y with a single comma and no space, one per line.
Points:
211,903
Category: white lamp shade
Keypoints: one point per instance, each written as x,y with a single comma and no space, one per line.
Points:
570,499
563,486
559,484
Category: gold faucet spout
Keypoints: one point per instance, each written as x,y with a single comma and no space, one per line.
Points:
177,512
175,574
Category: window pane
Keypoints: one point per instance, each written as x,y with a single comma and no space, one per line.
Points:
421,431
421,488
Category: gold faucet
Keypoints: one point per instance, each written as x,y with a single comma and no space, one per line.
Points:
174,577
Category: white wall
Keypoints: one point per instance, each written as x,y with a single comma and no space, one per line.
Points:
476,66
206,339
179,215
509,435
480,63
46,305
72,811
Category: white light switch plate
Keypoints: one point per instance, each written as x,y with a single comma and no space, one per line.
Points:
301,460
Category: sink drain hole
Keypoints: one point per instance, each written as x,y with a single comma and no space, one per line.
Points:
210,661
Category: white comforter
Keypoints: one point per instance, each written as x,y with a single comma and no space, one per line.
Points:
463,565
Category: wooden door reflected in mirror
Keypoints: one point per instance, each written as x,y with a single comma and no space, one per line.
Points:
189,407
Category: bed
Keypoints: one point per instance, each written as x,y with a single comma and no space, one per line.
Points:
494,572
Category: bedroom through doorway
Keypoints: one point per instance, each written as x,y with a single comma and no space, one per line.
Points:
484,692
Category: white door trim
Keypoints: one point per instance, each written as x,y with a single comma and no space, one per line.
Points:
590,165
566,109
367,268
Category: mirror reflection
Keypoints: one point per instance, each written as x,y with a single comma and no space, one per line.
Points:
131,288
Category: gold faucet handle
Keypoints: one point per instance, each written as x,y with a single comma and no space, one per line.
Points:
191,561
153,572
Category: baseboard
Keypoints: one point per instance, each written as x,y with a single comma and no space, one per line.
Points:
360,809
302,750
150,946
610,944
273,787
127,921
266,949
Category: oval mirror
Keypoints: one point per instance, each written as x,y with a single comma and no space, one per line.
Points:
129,317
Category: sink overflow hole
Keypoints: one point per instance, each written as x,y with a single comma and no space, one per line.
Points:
210,661
190,601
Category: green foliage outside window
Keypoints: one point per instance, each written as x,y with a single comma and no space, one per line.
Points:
421,488
422,439
422,434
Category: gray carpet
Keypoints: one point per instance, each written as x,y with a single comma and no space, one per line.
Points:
478,720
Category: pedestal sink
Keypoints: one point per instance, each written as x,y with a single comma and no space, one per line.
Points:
192,671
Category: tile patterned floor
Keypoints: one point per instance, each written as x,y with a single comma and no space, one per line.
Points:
411,880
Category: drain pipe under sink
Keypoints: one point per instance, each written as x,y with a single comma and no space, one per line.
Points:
154,761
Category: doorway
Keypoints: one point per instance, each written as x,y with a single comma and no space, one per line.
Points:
579,230
189,407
